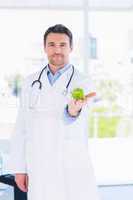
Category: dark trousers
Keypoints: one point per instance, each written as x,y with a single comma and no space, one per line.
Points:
9,180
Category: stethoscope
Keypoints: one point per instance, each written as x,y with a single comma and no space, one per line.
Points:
38,82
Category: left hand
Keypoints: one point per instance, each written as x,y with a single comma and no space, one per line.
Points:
76,105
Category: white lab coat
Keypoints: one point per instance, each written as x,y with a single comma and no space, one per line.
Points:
54,154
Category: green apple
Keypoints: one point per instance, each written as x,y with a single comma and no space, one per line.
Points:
78,93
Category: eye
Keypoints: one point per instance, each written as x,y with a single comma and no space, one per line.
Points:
51,44
63,45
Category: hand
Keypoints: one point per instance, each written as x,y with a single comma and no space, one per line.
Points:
76,105
22,181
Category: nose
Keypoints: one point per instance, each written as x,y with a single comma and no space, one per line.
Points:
57,49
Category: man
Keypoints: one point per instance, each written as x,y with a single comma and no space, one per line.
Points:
50,156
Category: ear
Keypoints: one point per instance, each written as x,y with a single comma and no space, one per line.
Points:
45,50
71,48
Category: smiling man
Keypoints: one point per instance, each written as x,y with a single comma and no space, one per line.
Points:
50,157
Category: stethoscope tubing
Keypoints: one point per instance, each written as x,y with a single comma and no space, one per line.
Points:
39,79
40,75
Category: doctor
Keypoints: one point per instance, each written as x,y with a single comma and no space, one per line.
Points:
49,153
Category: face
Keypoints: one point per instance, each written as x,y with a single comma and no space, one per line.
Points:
58,48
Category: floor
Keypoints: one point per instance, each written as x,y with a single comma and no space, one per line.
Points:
123,192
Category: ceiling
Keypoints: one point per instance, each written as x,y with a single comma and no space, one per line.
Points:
67,4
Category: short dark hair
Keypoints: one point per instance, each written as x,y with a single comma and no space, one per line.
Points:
59,28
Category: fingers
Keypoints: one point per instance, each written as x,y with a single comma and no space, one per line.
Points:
22,187
22,182
92,94
26,183
79,103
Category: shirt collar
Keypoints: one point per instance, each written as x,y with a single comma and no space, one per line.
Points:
60,71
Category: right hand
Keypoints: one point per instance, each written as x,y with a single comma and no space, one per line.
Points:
22,181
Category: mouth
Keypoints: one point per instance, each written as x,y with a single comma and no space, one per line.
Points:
57,59
57,55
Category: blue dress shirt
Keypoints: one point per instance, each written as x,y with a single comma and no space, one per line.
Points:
52,79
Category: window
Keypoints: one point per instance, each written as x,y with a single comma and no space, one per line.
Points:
112,72
93,48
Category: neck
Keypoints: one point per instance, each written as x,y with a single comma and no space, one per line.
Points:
55,68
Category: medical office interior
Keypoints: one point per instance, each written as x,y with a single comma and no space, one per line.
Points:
103,50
